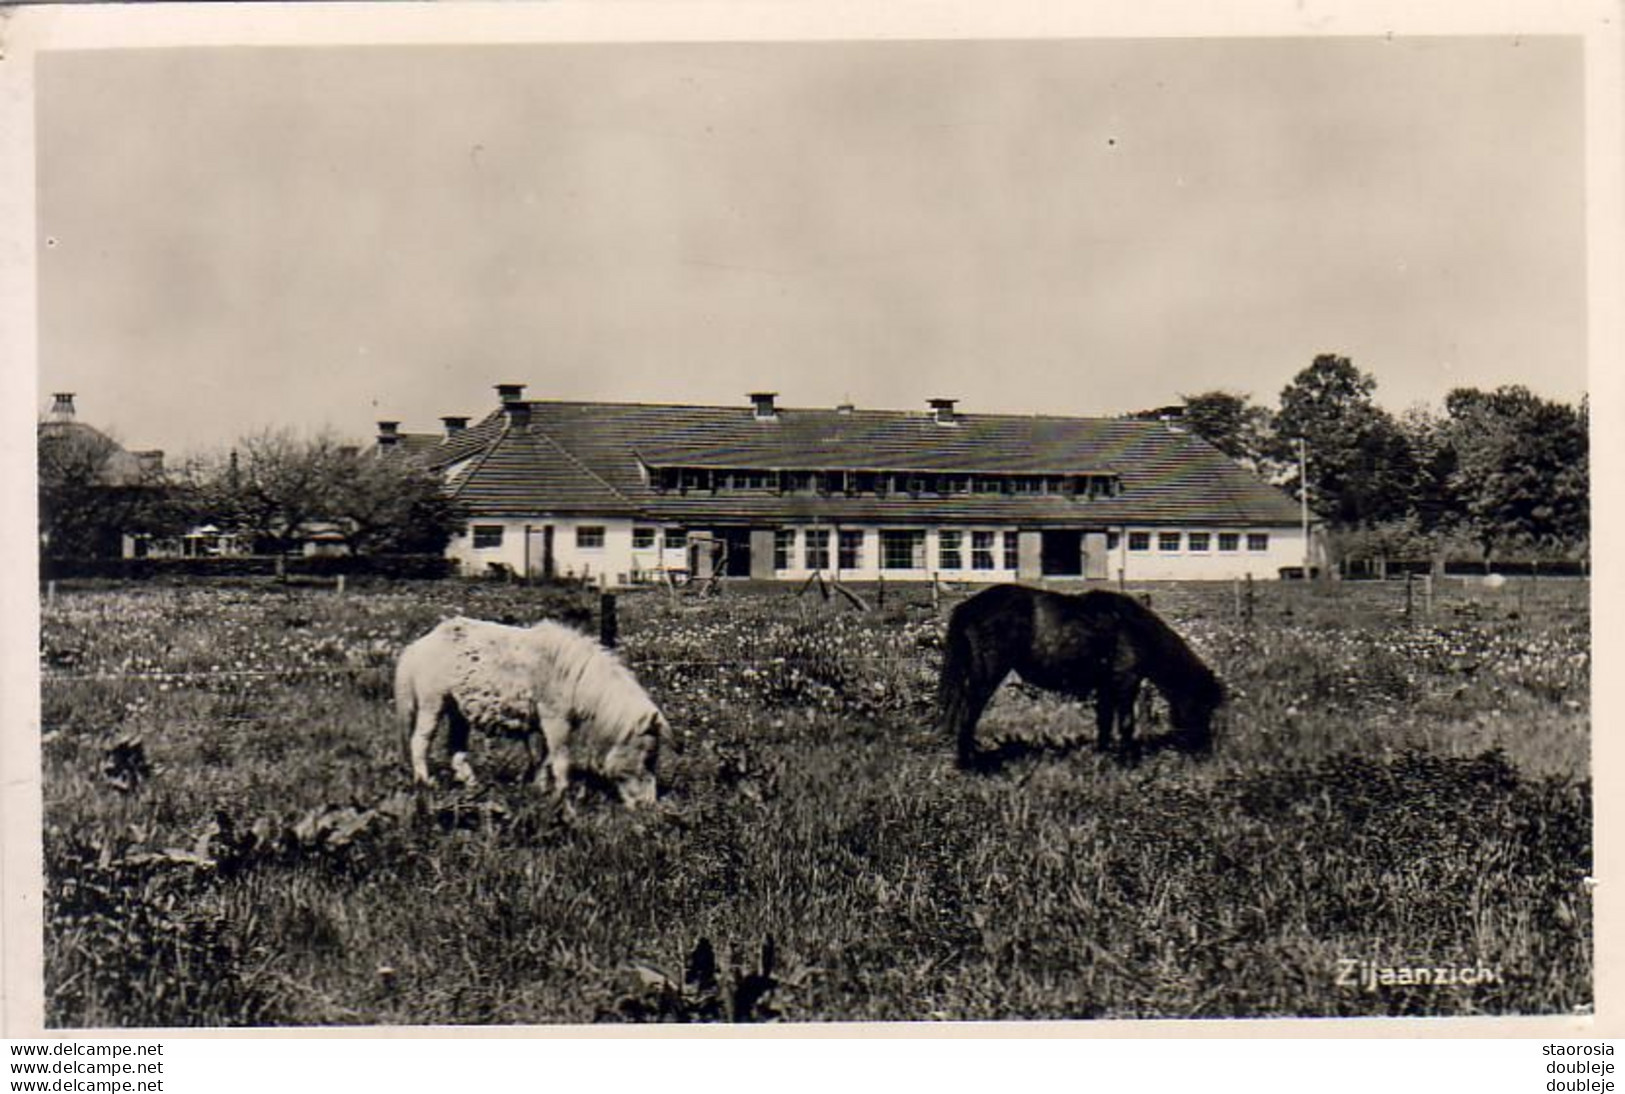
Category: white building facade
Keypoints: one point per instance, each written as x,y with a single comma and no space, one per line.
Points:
626,494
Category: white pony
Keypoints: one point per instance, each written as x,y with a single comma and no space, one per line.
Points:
576,706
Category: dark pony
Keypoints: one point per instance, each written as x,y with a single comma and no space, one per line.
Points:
1099,644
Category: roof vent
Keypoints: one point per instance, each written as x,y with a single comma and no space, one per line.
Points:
388,434
845,408
512,396
454,425
62,406
943,409
762,401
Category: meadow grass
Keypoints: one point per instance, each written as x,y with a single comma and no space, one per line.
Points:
230,838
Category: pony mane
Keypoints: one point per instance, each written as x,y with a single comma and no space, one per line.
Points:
599,684
1173,665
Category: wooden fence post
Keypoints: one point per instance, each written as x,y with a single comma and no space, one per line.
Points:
608,626
880,592
341,585
1408,594
1249,615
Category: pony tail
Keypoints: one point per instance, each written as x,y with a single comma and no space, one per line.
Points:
953,700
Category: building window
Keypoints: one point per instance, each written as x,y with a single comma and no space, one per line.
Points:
676,539
1167,541
589,537
784,548
851,548
949,550
817,548
1139,541
1112,540
487,536
902,550
981,550
643,538
1229,541
1012,551
1200,541
1258,541
795,482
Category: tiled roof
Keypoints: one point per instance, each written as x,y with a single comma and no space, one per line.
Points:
418,444
120,466
584,457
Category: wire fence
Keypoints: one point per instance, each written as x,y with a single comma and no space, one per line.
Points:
1411,600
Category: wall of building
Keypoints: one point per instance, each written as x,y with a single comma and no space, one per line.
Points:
579,550
1284,549
582,547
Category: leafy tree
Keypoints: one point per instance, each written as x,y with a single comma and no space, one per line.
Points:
1522,467
1231,423
1361,466
275,485
393,505
271,485
92,491
1436,509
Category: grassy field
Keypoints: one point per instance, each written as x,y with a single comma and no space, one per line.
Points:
230,837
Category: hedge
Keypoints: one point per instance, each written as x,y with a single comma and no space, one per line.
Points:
421,567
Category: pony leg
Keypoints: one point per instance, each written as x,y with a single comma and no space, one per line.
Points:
553,765
457,745
1127,705
1105,719
427,716
964,700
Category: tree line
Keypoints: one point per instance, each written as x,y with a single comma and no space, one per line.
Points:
272,489
1492,474
1497,473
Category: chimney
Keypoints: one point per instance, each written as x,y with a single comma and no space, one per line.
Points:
62,406
388,434
513,401
944,411
454,425
844,409
763,402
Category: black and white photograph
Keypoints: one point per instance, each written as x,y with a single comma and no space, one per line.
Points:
922,528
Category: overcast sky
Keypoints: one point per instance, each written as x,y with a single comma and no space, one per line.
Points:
237,238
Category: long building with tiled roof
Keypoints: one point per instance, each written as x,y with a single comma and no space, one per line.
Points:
631,492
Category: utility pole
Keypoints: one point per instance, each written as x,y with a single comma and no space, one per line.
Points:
1303,499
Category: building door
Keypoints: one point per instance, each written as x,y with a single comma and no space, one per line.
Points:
539,552
1096,563
736,544
1061,553
762,562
